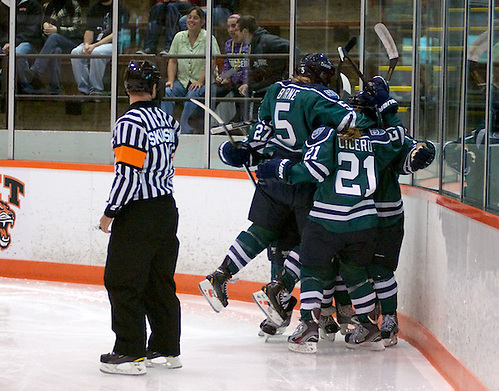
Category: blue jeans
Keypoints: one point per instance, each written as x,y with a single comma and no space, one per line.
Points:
22,64
55,44
89,73
179,90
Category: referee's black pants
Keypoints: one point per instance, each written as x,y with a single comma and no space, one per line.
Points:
141,261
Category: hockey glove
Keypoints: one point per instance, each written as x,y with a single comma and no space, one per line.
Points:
422,155
275,169
235,155
380,92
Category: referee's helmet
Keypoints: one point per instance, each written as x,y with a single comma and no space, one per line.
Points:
141,76
317,68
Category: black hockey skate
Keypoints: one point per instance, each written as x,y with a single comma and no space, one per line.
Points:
120,364
269,328
155,359
305,337
389,329
214,289
365,335
269,301
327,324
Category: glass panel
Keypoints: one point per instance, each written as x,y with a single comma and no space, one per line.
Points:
493,200
451,138
263,34
64,85
428,96
397,17
4,71
475,108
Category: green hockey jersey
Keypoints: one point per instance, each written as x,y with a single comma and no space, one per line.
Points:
290,112
347,173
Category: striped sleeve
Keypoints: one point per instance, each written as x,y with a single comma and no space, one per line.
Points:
130,149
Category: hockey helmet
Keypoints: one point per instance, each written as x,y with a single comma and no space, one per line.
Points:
317,68
141,76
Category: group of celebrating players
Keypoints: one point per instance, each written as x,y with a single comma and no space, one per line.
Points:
327,206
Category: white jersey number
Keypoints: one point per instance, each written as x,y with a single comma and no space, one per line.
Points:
283,128
352,173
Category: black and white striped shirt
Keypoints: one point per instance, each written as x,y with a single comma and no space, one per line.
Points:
144,141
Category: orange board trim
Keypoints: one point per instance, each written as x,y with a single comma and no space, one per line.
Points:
447,202
456,374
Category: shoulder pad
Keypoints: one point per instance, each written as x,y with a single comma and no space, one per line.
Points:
319,135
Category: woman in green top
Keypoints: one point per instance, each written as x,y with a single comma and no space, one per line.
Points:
186,76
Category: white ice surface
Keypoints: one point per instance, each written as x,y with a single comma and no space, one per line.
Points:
52,334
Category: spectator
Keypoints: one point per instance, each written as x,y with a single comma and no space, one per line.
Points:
62,27
29,38
235,71
220,12
165,14
265,71
97,41
186,76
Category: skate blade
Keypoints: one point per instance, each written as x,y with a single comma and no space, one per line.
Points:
209,294
262,300
306,347
127,368
164,362
368,345
390,341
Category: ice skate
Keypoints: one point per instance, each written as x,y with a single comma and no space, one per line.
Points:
389,329
120,364
268,299
155,359
269,328
327,325
344,314
305,338
214,288
366,336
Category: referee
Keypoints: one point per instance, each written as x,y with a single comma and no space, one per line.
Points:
143,246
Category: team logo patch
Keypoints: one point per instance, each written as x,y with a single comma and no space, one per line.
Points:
317,132
7,220
376,132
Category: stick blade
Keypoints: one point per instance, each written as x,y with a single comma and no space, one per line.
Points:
387,40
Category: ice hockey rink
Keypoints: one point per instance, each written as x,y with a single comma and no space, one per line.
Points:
52,334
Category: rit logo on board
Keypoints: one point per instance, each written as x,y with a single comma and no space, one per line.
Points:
15,189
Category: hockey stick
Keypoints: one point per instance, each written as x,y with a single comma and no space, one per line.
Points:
391,48
232,126
347,87
344,55
231,139
347,49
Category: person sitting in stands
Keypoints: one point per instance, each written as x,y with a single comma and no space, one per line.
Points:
62,27
97,40
186,76
235,70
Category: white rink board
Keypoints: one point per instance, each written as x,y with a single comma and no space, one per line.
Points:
59,213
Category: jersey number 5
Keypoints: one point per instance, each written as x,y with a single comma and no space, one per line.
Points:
283,128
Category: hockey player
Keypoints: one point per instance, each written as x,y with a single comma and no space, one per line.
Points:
389,205
288,114
139,273
343,220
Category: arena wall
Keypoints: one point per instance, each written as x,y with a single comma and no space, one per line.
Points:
448,273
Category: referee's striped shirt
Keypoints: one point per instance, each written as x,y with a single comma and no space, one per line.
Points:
144,141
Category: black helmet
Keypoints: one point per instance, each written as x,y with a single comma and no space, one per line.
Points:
141,76
317,68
